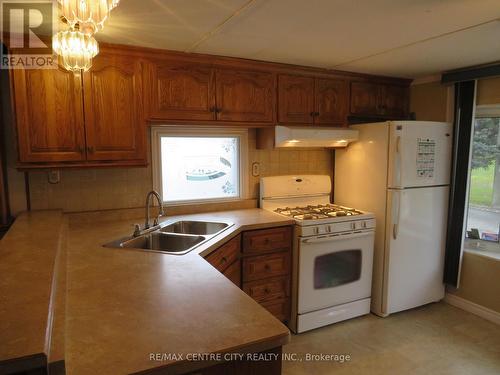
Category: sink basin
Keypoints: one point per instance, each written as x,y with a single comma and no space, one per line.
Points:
178,237
195,227
167,242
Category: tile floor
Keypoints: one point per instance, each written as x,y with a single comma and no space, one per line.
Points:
434,339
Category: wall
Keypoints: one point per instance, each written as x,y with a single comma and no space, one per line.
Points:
429,101
112,188
488,91
479,281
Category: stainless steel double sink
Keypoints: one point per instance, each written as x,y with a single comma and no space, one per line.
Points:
179,237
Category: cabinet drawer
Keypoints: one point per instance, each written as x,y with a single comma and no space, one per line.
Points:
268,290
264,266
225,255
260,241
280,310
233,273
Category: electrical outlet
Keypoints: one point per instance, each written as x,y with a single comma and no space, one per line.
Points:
256,169
54,176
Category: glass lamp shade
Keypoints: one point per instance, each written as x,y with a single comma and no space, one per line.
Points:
88,14
75,49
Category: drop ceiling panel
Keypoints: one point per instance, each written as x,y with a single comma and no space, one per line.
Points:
362,35
166,24
465,48
330,32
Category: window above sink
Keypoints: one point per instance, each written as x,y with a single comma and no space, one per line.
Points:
199,165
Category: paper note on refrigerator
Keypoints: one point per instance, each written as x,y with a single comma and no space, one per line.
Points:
426,152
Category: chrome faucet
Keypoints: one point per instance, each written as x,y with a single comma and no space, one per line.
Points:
148,204
147,227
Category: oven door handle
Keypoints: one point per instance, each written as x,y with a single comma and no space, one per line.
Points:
335,237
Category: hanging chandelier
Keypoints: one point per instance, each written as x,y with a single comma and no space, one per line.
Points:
90,15
75,49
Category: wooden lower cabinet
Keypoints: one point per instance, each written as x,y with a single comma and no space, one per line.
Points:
264,266
259,262
267,240
246,366
233,273
267,268
280,309
225,255
268,290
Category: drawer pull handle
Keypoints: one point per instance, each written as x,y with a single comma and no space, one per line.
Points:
267,291
267,267
266,241
223,260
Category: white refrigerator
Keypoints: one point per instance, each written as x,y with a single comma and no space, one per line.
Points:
400,170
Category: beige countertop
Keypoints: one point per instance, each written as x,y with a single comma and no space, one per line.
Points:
124,305
28,254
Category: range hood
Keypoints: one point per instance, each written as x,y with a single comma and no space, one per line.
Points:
313,137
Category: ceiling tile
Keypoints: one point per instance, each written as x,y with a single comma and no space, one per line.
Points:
466,48
167,24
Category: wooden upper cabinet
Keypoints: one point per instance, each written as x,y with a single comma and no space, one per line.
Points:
182,92
394,101
331,100
114,120
295,99
364,98
374,99
49,114
245,96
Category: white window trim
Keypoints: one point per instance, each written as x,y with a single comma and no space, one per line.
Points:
473,245
487,110
181,131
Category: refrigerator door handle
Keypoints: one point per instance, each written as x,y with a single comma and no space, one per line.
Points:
399,160
395,227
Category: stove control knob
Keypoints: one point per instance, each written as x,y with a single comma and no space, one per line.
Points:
316,230
353,225
328,228
364,224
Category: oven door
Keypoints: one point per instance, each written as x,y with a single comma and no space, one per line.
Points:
334,269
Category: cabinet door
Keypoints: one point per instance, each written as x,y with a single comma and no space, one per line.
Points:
182,92
393,101
49,114
114,121
233,273
295,99
245,96
364,98
331,101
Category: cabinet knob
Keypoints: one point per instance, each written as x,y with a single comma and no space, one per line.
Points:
267,267
267,291
90,149
223,260
312,113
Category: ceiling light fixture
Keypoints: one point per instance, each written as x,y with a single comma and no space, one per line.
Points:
90,15
75,49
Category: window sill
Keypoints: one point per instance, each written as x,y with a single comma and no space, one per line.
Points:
483,248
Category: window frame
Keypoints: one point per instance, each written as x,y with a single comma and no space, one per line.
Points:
481,111
180,131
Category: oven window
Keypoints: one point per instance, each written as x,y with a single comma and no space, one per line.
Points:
334,269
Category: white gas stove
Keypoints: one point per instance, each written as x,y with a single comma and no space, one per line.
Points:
333,250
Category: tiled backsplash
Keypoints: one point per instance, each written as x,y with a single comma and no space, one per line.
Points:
113,188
